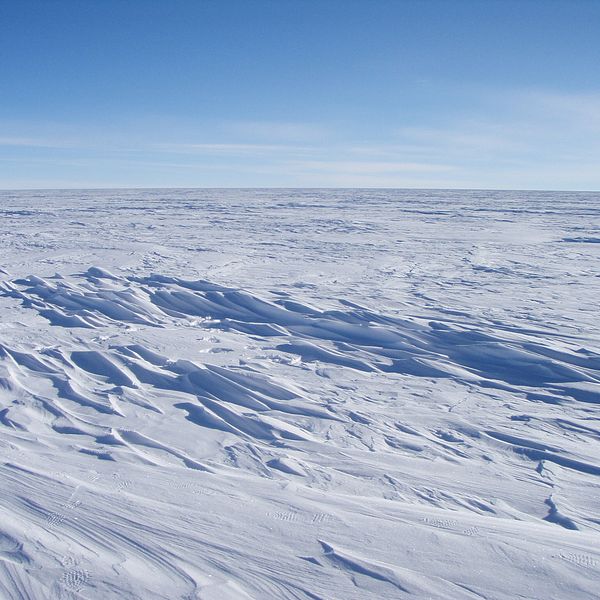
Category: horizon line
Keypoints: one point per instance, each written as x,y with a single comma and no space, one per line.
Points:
440,189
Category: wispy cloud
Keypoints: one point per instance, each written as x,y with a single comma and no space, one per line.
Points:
276,131
30,142
368,167
575,111
514,139
229,148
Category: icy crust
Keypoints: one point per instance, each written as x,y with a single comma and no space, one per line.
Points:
185,436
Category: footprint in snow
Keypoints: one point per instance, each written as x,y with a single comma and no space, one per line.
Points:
581,560
75,579
119,483
301,518
55,519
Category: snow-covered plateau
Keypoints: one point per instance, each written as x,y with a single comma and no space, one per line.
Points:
312,394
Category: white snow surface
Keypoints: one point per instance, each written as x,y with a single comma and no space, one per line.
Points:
312,394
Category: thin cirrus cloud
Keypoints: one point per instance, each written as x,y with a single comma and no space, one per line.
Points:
514,139
32,142
579,110
228,148
277,131
368,167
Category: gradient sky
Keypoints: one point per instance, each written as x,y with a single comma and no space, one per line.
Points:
372,93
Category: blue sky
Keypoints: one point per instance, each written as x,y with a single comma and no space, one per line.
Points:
373,93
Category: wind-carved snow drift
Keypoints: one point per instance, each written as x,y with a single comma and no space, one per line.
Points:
167,437
353,337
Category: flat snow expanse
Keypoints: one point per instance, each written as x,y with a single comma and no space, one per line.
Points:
309,394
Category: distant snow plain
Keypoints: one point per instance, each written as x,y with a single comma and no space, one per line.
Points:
314,394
